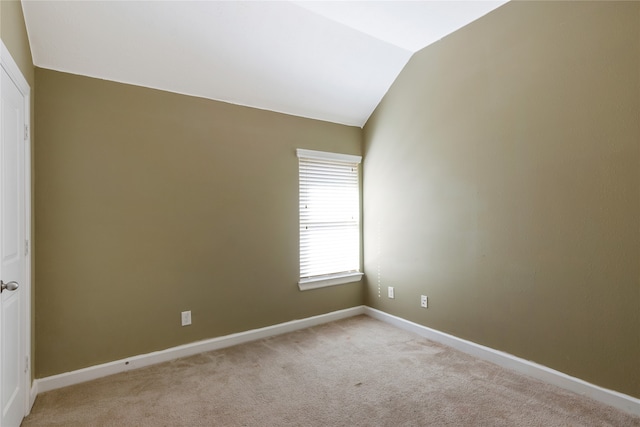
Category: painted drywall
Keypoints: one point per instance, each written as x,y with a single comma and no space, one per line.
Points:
502,179
150,203
14,36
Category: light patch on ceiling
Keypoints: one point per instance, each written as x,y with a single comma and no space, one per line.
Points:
409,25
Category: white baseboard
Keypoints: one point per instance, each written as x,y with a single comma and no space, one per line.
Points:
618,400
33,393
93,372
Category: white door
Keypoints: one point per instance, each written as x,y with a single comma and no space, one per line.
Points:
13,246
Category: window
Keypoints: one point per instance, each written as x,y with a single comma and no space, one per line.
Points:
329,219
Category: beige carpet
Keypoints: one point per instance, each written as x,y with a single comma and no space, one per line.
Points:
354,372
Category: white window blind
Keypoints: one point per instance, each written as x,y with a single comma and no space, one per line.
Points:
329,216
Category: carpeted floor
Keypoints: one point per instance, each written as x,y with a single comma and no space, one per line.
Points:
354,372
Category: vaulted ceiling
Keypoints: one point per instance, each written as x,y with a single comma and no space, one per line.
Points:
327,60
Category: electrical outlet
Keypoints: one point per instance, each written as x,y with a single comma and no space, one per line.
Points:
390,292
424,301
186,318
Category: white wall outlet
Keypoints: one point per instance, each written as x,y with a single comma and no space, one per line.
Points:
390,292
186,318
424,301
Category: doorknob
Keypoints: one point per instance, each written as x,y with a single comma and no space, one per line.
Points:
11,286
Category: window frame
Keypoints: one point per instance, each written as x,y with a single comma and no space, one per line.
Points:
339,278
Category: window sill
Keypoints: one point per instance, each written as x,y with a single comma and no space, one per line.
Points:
329,280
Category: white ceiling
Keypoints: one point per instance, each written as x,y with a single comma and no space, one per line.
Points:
327,60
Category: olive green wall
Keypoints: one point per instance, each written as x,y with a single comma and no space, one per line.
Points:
149,203
14,36
502,179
